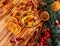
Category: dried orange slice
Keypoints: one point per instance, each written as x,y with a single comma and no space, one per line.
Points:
55,6
44,16
14,28
29,19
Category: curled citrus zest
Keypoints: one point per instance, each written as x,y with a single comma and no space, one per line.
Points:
29,20
12,19
44,16
55,6
14,28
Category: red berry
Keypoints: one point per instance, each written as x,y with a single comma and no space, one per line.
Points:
45,42
58,25
57,22
45,38
48,36
38,44
48,29
41,44
42,40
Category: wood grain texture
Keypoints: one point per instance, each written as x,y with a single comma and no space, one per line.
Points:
13,8
5,12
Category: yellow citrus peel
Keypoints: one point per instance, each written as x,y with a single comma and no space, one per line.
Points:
12,19
14,28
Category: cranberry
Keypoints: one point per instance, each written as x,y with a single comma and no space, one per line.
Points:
48,29
38,44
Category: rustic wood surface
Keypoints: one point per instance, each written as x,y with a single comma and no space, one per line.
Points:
5,10
7,7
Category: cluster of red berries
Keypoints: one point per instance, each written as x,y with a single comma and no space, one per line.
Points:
57,23
44,39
